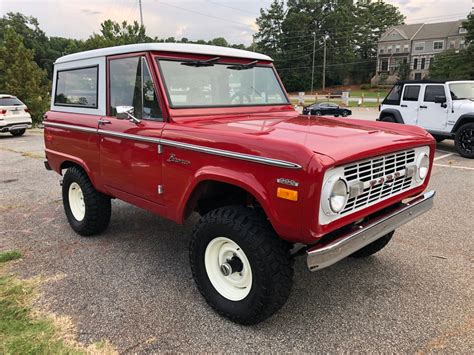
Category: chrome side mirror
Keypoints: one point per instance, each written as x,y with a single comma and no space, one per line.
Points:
126,112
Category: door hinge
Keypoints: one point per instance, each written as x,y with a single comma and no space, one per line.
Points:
160,189
160,149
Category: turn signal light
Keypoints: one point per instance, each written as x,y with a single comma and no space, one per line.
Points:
287,194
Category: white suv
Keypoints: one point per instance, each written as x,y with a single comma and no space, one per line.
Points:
443,108
14,115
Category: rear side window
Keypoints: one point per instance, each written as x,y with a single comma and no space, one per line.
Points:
393,97
411,93
432,91
10,101
77,87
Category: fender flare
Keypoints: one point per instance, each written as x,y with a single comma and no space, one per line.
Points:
63,158
467,117
392,112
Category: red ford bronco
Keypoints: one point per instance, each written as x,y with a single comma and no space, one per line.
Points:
183,128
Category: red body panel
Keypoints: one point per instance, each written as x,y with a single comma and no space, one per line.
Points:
131,170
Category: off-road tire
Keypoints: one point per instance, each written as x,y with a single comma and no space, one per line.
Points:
460,136
388,118
269,258
97,205
18,132
373,247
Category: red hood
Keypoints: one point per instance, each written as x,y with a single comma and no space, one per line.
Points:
341,139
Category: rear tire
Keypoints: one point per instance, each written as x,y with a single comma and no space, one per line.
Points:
259,280
464,140
373,247
87,210
18,133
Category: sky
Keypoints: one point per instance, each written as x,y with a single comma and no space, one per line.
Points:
193,19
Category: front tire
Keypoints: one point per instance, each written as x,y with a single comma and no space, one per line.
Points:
241,267
87,210
18,133
317,113
373,247
344,113
464,140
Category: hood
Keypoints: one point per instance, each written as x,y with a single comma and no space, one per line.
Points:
463,106
340,139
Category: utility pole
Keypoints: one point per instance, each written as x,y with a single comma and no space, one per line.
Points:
312,71
324,63
141,12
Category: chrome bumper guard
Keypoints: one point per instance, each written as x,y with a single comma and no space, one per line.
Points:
320,257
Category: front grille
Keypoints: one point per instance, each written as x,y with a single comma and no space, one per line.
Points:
372,169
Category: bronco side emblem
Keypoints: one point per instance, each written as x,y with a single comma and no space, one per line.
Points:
172,159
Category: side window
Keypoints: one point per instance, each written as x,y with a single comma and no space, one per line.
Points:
432,91
131,85
411,93
393,97
77,87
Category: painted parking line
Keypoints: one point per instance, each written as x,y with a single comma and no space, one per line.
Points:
454,166
443,156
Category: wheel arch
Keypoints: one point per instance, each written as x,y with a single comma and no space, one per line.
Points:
391,112
463,119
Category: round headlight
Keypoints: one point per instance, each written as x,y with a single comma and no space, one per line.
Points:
423,164
338,196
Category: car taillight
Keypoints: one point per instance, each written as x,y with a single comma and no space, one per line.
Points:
2,112
27,109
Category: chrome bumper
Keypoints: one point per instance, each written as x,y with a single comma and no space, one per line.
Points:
14,127
320,257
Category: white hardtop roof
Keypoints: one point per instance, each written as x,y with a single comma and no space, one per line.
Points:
165,47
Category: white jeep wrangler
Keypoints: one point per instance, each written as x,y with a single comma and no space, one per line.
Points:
443,108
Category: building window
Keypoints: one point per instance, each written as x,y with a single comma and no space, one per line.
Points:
423,62
77,87
462,31
419,46
452,44
438,45
415,63
417,76
461,44
384,65
389,49
381,50
397,49
405,48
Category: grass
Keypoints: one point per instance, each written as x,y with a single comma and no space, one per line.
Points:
24,331
370,93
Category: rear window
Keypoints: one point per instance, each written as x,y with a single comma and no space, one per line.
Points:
411,93
393,97
77,87
10,101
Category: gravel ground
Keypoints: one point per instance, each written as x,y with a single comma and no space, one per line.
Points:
133,287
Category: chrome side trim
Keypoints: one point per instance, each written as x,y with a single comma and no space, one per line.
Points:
70,127
187,146
320,257
230,154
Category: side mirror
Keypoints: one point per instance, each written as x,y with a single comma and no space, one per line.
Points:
124,112
440,100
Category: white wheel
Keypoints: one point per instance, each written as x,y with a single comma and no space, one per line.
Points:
76,201
228,269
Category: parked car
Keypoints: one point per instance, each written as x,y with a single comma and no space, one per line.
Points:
182,128
14,115
326,108
443,108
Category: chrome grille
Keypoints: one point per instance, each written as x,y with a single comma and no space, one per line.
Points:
372,169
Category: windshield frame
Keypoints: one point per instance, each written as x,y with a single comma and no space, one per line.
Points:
225,61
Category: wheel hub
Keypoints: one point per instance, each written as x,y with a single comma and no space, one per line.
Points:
231,266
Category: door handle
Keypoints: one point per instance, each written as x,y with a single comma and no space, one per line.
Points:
403,105
423,106
104,121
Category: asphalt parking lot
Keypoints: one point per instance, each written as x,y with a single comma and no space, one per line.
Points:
133,287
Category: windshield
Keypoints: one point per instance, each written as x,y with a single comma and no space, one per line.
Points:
462,91
206,84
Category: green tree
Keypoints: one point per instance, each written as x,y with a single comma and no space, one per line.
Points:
404,71
456,64
116,34
21,76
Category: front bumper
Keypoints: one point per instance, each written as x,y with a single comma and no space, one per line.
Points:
322,256
14,127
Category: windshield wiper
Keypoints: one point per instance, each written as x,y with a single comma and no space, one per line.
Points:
201,63
243,66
